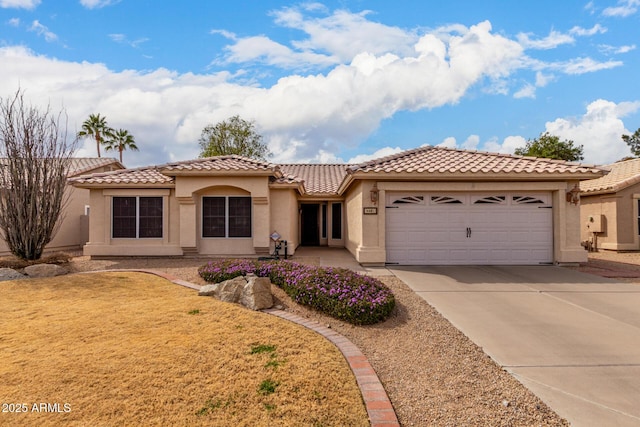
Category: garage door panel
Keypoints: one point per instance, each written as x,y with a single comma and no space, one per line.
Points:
503,229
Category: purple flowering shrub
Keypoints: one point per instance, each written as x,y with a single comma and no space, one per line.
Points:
338,292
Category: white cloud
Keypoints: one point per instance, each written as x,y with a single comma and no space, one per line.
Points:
553,40
596,29
121,38
449,142
344,34
599,130
582,65
97,4
608,49
382,152
19,4
42,30
14,22
543,79
623,9
527,91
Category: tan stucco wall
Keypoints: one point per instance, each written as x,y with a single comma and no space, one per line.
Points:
183,218
619,213
365,239
285,217
69,235
102,244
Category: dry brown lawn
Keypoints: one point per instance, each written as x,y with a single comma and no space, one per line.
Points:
134,349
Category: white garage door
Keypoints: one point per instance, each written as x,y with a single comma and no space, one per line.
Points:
498,228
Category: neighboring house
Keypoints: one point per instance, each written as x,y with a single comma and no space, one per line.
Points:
610,211
430,205
74,228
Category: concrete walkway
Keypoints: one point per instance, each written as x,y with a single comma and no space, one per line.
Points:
571,338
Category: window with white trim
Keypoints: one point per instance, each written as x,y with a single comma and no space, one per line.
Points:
226,216
136,217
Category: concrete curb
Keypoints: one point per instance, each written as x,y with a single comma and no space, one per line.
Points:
376,400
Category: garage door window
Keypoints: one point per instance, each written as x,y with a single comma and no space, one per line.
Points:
527,200
491,200
445,200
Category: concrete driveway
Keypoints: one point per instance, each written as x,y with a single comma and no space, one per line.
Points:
570,337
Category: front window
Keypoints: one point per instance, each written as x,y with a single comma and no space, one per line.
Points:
226,216
137,217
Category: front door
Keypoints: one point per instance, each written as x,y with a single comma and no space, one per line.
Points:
310,225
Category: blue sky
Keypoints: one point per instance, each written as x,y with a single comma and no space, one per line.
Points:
332,81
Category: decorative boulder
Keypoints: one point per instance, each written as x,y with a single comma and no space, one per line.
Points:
44,270
251,291
208,290
10,274
231,290
257,293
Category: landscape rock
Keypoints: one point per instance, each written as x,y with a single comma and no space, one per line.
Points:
231,290
10,274
251,291
44,270
208,290
257,293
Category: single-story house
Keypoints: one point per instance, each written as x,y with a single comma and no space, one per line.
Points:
430,205
74,228
610,211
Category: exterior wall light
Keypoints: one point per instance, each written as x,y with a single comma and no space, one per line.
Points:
374,193
573,196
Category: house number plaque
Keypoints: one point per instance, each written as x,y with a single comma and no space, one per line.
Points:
370,211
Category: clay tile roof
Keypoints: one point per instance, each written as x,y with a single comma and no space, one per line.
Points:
80,165
139,176
220,163
430,159
621,176
319,179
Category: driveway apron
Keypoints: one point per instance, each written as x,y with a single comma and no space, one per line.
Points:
572,338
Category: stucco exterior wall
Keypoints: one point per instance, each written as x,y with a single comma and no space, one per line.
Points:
69,235
364,238
101,242
285,217
618,214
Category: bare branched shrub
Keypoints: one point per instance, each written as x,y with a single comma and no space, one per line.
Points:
34,161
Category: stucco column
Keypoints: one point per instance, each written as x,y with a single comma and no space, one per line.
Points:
188,224
567,229
261,222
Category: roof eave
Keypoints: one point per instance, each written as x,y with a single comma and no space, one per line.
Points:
141,186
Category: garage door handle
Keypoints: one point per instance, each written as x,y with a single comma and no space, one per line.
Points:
468,232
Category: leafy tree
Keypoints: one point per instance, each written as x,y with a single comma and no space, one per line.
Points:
120,140
96,127
633,141
550,147
233,136
35,161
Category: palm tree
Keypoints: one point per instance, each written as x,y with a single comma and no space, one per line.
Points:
95,126
120,140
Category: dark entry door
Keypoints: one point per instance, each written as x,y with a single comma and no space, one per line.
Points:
309,223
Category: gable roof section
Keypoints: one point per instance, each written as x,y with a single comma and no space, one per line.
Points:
621,175
318,179
146,176
466,163
220,164
82,165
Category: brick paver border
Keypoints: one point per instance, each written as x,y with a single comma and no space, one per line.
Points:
376,400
